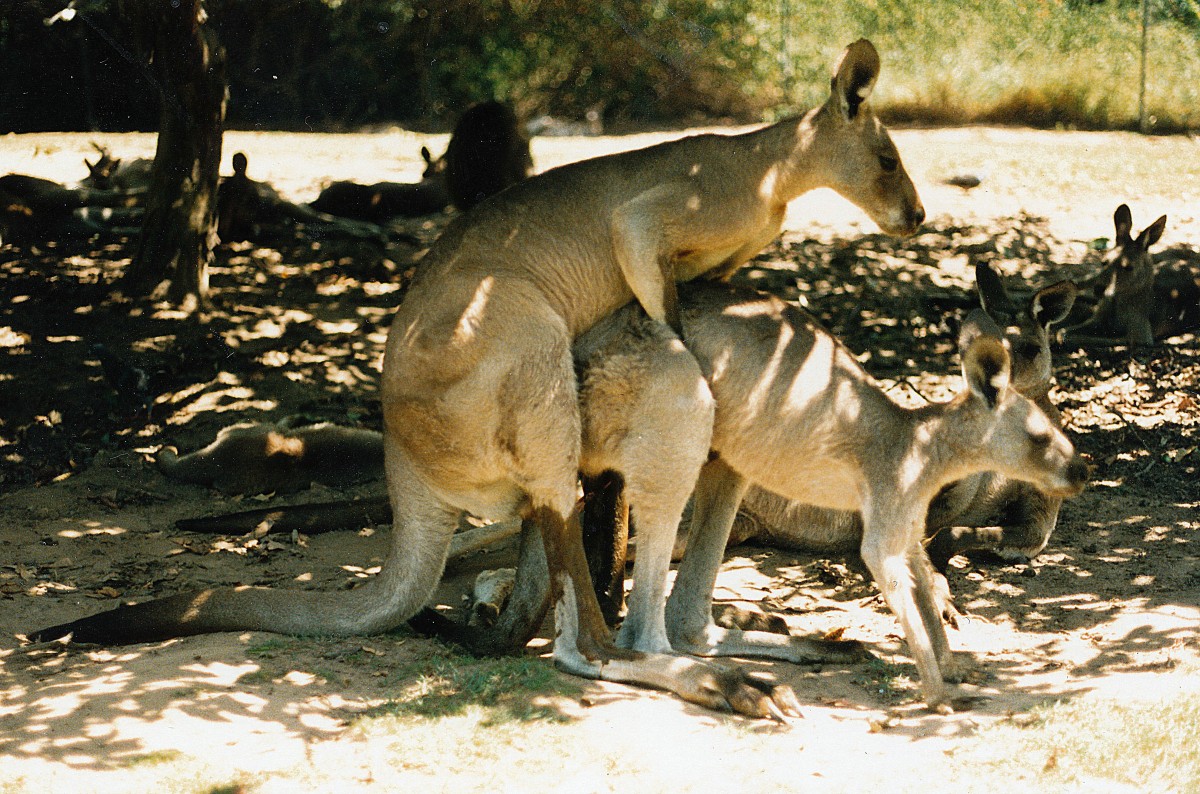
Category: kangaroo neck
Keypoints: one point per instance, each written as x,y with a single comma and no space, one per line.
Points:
941,448
790,144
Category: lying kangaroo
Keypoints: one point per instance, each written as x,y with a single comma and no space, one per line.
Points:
796,414
383,201
246,206
113,173
479,390
262,458
985,511
32,208
1133,301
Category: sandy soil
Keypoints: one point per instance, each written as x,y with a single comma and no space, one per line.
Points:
1111,606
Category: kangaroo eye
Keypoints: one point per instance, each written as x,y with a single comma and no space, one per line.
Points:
888,164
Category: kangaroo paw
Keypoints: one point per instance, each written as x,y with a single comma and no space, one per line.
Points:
732,689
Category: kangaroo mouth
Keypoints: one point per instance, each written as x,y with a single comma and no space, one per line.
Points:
1067,491
1076,480
906,228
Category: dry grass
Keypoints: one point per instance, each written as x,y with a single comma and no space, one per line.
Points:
1044,64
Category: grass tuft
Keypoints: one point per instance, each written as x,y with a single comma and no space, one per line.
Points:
508,689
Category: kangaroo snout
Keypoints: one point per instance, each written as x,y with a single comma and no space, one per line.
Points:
1074,478
906,223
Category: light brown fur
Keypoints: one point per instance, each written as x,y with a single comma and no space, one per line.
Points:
479,395
987,510
796,413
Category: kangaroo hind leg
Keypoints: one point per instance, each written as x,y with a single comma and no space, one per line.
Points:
689,610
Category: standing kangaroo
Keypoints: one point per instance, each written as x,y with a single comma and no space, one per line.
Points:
987,510
797,415
480,402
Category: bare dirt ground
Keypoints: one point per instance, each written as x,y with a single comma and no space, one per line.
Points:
1110,608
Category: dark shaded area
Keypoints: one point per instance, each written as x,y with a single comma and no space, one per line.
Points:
85,371
310,64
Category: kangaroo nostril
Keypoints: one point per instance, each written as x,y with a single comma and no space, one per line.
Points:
1077,471
918,216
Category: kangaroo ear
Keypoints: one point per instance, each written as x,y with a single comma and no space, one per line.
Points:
1052,304
992,295
1123,221
987,368
977,323
1152,233
854,76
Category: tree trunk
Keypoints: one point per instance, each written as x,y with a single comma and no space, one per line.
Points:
179,229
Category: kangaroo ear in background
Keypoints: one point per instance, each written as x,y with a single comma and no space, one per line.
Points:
854,76
1052,304
992,295
987,368
1152,233
1123,221
977,323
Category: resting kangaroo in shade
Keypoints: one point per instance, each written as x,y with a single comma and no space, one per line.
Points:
480,402
797,415
1131,299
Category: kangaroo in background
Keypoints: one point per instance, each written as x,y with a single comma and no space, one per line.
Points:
246,206
479,392
1131,299
487,153
383,201
32,208
113,173
262,458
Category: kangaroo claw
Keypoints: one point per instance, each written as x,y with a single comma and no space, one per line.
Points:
755,697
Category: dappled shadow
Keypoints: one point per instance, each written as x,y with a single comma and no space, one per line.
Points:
108,708
298,329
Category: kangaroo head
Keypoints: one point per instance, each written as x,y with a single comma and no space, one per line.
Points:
1026,327
1131,265
854,147
1004,428
101,171
433,166
240,163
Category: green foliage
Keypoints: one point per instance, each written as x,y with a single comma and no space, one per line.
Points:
330,64
1039,62
507,689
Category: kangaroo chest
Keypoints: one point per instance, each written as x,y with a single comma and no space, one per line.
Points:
721,257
